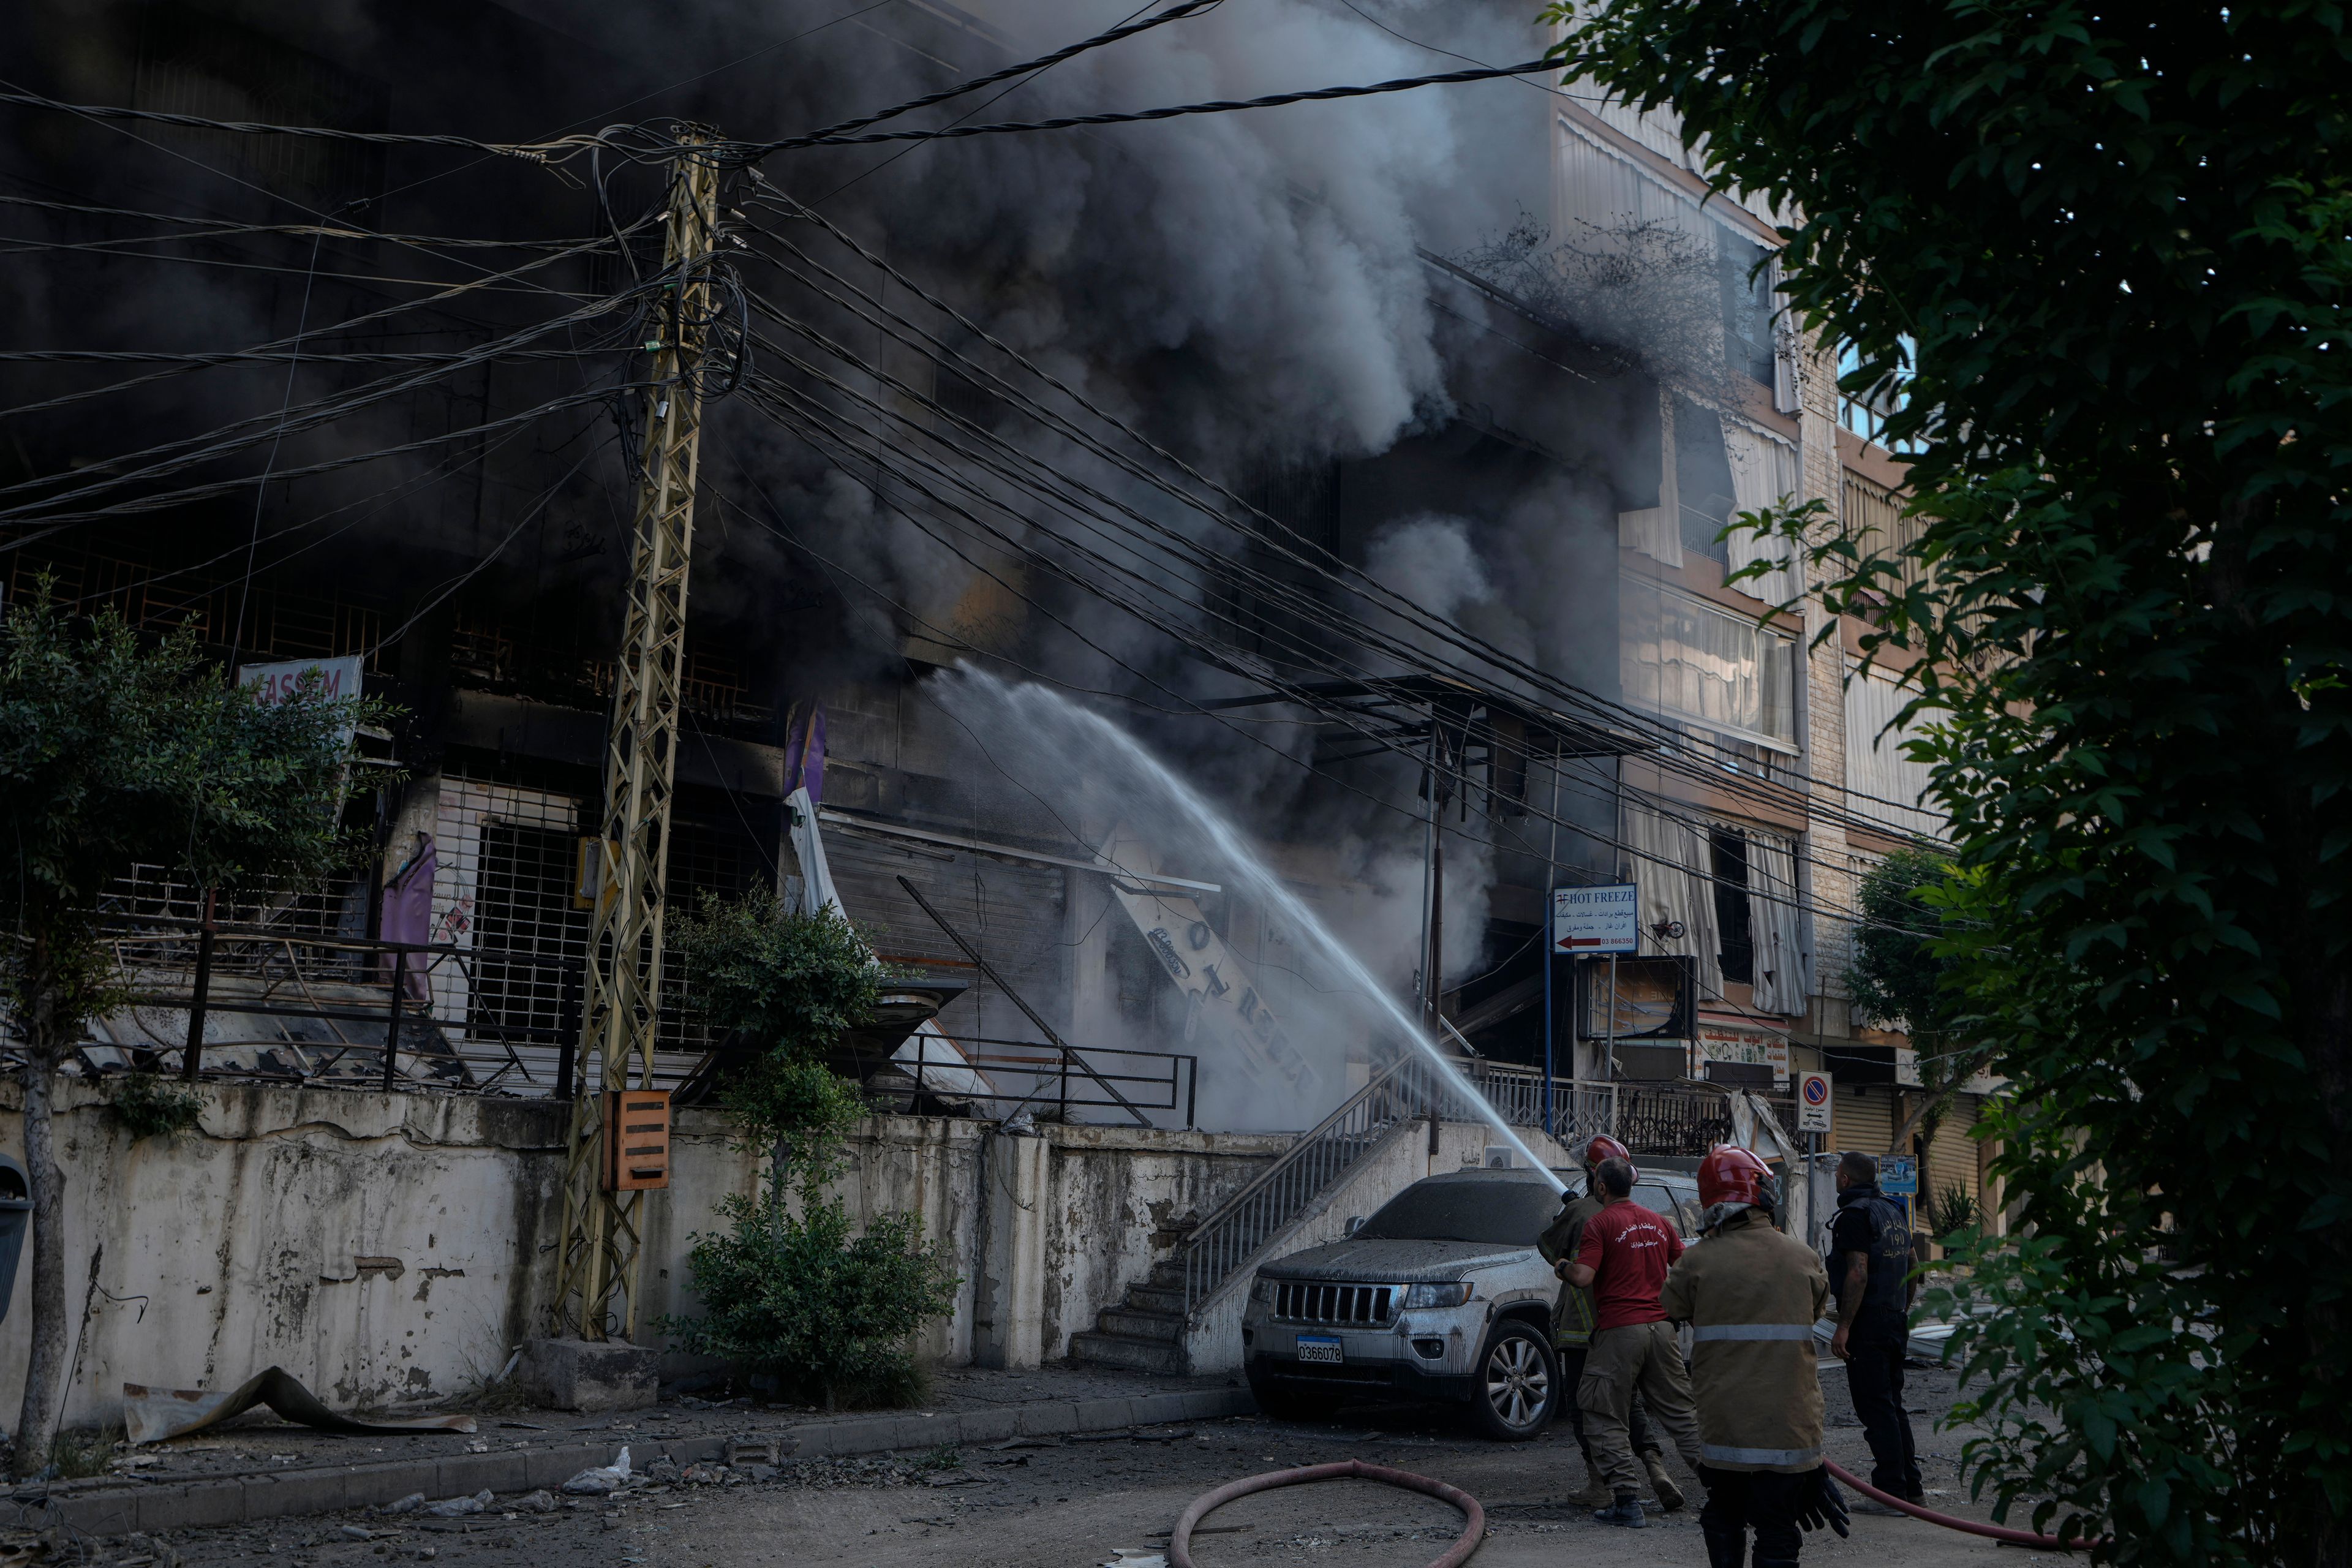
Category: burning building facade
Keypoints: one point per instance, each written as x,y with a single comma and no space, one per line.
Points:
1391,515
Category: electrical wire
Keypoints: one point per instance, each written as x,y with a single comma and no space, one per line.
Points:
174,456
1306,554
1127,29
336,329
755,152
882,460
1304,607
643,144
875,454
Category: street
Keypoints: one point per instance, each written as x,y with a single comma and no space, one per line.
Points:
1078,1501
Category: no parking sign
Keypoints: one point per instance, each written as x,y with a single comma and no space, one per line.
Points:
1813,1102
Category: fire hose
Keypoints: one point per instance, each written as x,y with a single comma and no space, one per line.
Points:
1990,1532
1179,1540
1474,1528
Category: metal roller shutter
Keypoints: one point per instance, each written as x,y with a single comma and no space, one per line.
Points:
1863,1120
1952,1156
1012,913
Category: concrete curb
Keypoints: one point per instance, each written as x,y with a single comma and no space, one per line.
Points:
109,1506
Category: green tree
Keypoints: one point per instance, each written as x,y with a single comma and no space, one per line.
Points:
792,1288
115,750
2105,250
1897,977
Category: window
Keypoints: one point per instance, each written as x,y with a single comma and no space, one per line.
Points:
1728,848
1684,657
1865,412
1747,285
1703,484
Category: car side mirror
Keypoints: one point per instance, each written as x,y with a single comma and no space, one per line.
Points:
1355,1223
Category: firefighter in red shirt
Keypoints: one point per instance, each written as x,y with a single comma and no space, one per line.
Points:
1623,1259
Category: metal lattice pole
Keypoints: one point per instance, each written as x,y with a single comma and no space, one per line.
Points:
597,1292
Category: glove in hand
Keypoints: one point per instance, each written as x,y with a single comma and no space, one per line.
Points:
1821,1503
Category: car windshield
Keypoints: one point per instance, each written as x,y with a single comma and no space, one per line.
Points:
1501,1212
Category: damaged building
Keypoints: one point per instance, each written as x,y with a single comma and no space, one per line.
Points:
1373,471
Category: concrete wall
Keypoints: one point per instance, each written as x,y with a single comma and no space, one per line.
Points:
380,1247
392,1247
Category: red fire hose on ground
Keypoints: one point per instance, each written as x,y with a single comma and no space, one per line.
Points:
1990,1532
1474,1526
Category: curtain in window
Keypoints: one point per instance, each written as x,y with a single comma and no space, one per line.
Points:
1674,866
1680,654
1784,968
1762,471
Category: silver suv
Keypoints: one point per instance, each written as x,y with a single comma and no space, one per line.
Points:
1440,1294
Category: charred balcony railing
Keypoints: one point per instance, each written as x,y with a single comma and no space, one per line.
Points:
1057,1079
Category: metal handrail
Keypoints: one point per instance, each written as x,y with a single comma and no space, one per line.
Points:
1230,1235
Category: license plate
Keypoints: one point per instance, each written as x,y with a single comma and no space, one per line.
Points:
1319,1349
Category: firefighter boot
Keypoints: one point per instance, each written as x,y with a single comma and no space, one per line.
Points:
1669,1496
1626,1511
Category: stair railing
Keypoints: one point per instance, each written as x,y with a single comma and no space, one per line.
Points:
1227,1239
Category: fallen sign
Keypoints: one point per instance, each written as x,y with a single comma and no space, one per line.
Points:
151,1414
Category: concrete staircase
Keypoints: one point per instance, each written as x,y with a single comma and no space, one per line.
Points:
1145,1332
1184,1318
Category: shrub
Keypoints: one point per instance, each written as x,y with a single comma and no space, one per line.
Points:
791,1290
150,1107
829,1314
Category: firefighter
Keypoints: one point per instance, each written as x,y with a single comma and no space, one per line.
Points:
1751,1296
1622,1259
1572,1334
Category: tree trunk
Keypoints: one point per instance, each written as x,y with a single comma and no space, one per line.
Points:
776,1189
36,1422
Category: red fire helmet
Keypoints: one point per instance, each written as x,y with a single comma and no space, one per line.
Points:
1731,1175
1604,1147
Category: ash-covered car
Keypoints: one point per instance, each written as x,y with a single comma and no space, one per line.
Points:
1441,1295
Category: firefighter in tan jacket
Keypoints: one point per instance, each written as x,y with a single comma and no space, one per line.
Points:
1751,1296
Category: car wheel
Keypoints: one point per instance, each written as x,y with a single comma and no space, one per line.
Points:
1511,1397
1285,1403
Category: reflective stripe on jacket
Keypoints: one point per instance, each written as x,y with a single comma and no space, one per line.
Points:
1750,1296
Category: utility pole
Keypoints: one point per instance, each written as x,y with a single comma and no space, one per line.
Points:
597,1289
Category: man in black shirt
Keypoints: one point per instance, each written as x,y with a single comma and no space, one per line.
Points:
1870,1264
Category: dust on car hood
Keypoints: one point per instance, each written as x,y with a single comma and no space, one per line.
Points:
1377,1262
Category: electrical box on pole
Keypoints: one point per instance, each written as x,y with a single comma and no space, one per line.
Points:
605,1194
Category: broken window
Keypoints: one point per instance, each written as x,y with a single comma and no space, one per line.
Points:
1734,930
1701,482
1747,285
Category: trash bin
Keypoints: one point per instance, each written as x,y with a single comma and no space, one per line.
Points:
15,1214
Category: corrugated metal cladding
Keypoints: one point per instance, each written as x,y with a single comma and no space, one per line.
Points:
1599,184
1876,767
1012,914
1595,187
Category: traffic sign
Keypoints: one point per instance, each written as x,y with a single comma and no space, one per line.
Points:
1600,918
1898,1175
1813,1101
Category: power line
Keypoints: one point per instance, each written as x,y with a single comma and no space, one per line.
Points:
1176,12
1307,610
350,323
1287,544
645,144
102,111
754,151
